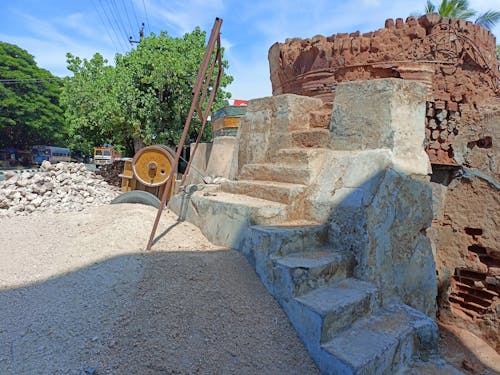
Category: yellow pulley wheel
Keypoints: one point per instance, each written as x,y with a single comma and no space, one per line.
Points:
152,165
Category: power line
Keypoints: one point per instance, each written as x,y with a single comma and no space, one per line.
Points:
128,18
9,81
118,39
118,18
135,14
105,27
146,13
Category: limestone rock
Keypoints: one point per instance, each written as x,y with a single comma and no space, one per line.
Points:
54,189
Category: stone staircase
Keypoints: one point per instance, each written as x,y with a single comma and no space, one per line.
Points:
284,181
341,320
346,323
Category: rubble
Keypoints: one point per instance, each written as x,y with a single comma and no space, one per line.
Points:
111,173
61,187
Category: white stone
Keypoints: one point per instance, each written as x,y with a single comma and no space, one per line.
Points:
22,182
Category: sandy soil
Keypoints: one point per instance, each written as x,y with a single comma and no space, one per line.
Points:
79,296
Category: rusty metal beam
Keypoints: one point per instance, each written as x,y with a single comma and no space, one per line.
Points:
214,37
200,134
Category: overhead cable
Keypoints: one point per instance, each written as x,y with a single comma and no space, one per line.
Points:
118,18
119,40
128,18
146,13
105,27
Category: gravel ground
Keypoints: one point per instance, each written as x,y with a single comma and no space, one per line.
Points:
79,296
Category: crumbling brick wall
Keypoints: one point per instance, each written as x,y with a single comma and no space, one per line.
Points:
455,58
457,61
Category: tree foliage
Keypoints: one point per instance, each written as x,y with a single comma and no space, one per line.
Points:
144,99
460,9
29,102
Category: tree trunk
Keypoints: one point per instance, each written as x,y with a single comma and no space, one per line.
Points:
138,143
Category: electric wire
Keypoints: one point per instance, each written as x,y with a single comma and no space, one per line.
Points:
135,14
146,13
112,26
113,29
105,27
118,16
11,81
128,18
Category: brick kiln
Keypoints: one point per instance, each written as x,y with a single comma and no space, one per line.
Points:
456,59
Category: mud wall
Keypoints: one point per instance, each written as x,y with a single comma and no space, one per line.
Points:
454,58
457,61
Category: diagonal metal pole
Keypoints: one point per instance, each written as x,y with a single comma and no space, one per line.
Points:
203,123
214,36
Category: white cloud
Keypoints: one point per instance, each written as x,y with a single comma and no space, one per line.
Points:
180,17
52,56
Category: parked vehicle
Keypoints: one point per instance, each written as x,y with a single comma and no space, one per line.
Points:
50,153
12,158
105,155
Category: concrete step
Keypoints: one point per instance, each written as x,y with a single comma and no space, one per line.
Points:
300,273
340,305
280,192
275,172
289,237
263,244
258,211
298,157
385,342
225,218
318,138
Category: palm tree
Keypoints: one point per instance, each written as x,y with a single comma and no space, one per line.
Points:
460,9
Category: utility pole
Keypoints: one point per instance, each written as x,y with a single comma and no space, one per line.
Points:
141,35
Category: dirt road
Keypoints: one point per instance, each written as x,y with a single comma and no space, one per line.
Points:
79,296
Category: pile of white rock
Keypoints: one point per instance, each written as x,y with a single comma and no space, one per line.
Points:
61,187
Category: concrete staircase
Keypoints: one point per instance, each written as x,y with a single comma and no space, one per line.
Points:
347,323
342,320
284,180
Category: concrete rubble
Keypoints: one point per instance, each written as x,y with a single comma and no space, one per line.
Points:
60,187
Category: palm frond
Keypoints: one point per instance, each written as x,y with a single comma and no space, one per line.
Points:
488,19
430,8
455,9
465,14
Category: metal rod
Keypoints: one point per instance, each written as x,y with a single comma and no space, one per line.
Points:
215,35
194,169
200,134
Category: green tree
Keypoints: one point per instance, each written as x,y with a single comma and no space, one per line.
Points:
144,99
91,108
460,9
29,101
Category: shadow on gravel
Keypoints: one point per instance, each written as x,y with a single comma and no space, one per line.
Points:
150,313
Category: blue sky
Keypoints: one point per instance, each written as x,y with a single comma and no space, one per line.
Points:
49,28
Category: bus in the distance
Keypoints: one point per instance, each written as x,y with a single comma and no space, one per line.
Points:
105,155
50,153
